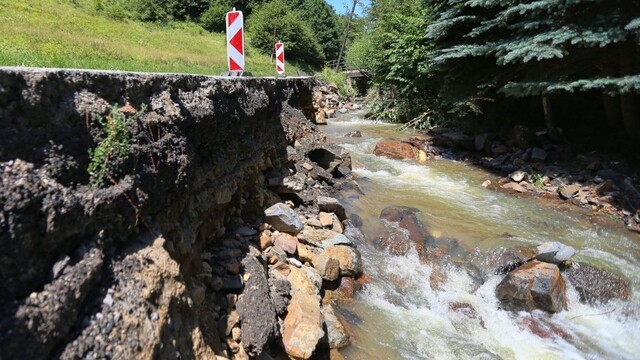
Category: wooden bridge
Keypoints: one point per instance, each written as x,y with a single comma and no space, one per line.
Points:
350,73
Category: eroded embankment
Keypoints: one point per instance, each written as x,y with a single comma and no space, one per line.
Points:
117,270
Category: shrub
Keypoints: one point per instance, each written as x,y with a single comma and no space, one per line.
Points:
116,143
213,19
340,79
276,16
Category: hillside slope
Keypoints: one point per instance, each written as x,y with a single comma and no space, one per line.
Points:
55,33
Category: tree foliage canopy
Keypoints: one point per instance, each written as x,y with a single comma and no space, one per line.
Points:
538,46
470,51
276,21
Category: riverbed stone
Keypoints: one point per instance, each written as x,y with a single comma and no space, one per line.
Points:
292,184
395,149
348,257
337,336
303,325
517,175
283,218
257,312
329,204
328,267
287,242
266,239
323,238
534,285
356,133
515,187
569,191
596,286
554,252
406,218
538,155
325,219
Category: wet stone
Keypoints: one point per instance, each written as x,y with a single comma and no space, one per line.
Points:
554,252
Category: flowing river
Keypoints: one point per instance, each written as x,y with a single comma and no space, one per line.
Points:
400,316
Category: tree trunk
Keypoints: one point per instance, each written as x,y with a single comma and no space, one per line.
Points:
346,34
552,130
611,106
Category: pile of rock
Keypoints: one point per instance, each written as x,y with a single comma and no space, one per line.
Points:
538,283
327,103
275,281
277,287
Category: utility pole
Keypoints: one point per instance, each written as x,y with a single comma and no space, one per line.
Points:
346,33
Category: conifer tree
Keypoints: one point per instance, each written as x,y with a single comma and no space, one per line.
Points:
488,48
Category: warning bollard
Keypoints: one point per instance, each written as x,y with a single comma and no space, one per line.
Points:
280,58
235,43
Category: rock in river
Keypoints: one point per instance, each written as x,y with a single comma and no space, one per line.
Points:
554,252
534,285
596,285
394,149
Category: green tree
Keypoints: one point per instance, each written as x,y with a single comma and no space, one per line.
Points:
276,21
540,49
213,19
153,10
324,23
394,50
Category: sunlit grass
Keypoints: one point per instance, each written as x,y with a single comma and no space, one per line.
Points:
55,33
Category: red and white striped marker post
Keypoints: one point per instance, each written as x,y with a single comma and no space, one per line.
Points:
235,40
280,58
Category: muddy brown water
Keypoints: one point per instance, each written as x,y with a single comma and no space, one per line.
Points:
400,316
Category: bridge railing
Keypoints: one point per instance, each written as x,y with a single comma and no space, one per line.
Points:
333,64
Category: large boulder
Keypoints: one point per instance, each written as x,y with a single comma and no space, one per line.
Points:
596,285
534,285
303,325
257,312
395,149
417,234
283,218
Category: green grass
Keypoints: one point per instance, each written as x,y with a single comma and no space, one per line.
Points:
339,79
57,33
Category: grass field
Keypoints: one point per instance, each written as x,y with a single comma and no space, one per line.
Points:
57,33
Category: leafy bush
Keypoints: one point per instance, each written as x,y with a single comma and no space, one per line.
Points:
340,80
324,22
153,10
213,19
115,144
277,17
